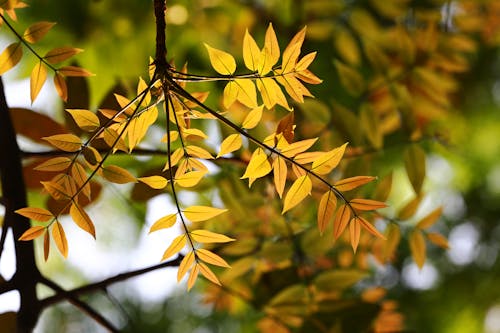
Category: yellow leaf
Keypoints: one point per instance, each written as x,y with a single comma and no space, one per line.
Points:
253,118
56,191
300,189
202,213
232,143
258,166
80,176
54,164
347,47
60,54
198,152
221,61
38,77
409,209
32,233
10,57
305,61
351,183
369,227
294,87
59,237
366,204
164,223
430,219
156,182
230,94
34,213
91,155
244,92
271,93
272,46
350,78
177,244
327,162
414,158
114,140
292,50
37,31
438,239
307,157
192,133
61,87
298,147
206,272
280,173
417,247
85,119
341,220
354,233
190,179
193,275
326,209
211,258
82,219
74,71
46,246
185,265
117,175
251,52
65,142
205,236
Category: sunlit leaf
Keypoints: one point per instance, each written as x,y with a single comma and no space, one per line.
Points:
299,190
253,118
354,233
430,219
177,244
251,52
59,237
65,142
305,61
198,152
207,272
193,275
155,182
280,173
80,176
326,209
438,239
221,61
46,245
82,219
351,183
34,213
190,179
211,258
85,119
74,71
414,158
258,166
54,164
60,54
38,78
10,57
37,31
272,46
117,175
341,220
165,222
205,236
185,265
366,204
61,87
327,162
245,92
32,233
410,208
369,227
113,139
298,147
417,247
202,213
271,93
56,190
232,143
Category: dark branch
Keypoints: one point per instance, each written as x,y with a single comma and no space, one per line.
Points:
161,48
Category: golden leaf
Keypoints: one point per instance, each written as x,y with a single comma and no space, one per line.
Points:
341,220
298,147
245,92
251,52
221,61
117,175
438,239
190,179
299,190
74,71
61,87
351,183
38,77
202,213
32,233
366,204
326,209
414,158
56,190
232,143
369,227
91,155
206,272
10,57
327,162
60,54
205,236
34,213
410,208
80,176
211,258
258,166
305,61
198,152
85,119
280,173
192,133
417,247
113,139
292,50
59,237
177,244
37,31
65,142
294,87
272,46
430,219
271,93
253,118
185,265
46,245
82,219
193,275
164,223
155,182
354,233
54,164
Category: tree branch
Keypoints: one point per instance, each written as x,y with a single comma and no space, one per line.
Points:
14,192
63,294
161,48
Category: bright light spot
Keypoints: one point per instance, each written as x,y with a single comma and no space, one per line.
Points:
492,320
9,301
177,14
442,172
463,241
8,260
422,279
